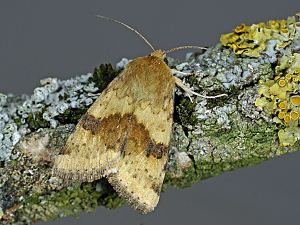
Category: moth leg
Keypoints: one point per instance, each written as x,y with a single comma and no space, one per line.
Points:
189,92
185,74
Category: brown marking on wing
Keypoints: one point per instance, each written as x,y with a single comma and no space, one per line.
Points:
89,122
113,130
94,148
156,150
139,142
141,171
156,188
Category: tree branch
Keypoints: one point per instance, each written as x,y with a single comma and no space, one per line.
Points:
210,136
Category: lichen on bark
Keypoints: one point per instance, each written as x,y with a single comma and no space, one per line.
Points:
209,136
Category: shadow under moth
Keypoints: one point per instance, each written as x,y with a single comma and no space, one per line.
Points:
125,134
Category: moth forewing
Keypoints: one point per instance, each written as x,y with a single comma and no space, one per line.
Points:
126,133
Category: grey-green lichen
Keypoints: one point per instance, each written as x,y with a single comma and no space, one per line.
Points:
44,108
210,136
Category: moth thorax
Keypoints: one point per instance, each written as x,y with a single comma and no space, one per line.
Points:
159,54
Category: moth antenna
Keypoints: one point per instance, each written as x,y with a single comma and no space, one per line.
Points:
128,27
184,47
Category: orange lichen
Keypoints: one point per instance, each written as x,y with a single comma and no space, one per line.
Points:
287,119
280,98
281,115
241,28
295,100
253,40
288,76
282,105
281,82
294,115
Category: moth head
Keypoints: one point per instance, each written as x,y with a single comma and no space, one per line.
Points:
159,54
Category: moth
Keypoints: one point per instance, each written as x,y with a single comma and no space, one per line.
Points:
125,134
